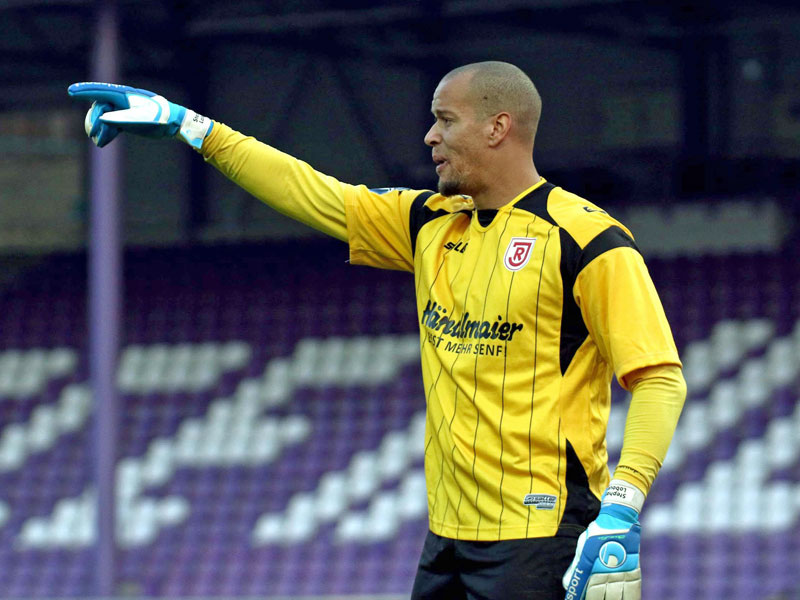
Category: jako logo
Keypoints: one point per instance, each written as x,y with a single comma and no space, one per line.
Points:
518,253
459,247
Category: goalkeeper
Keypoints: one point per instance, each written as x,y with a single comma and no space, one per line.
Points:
530,299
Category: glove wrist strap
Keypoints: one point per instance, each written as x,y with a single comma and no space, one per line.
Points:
194,129
622,492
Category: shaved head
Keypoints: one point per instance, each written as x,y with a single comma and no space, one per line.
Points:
496,87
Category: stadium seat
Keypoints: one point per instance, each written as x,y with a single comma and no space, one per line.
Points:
272,436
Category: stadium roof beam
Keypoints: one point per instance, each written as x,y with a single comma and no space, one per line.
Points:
658,24
371,17
16,4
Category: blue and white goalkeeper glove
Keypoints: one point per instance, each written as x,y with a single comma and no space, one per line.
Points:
118,108
606,564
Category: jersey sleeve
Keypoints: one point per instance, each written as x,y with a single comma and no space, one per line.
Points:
620,306
283,182
658,395
378,224
382,227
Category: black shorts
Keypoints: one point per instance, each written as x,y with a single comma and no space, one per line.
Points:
527,569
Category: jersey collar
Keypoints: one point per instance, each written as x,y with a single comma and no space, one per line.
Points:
506,208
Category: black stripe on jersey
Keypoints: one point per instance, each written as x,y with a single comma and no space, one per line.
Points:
450,423
573,261
503,398
536,202
535,363
475,379
573,329
582,507
613,237
420,214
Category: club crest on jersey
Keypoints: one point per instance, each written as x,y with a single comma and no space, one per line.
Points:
518,253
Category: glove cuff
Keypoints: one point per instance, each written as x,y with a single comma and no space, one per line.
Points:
194,129
622,492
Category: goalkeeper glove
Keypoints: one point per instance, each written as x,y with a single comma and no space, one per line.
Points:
606,564
118,108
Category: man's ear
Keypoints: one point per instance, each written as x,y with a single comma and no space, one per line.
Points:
501,125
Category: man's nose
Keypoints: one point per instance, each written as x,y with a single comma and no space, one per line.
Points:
432,137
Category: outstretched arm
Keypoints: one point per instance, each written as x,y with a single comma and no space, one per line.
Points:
287,184
277,179
375,223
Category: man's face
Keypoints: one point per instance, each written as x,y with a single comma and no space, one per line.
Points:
456,138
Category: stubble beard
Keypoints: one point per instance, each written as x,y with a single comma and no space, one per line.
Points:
449,187
458,183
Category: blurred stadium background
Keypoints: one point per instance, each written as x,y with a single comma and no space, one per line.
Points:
262,438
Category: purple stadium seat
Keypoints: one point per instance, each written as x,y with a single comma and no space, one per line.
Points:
255,295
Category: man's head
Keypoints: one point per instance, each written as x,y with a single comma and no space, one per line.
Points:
484,111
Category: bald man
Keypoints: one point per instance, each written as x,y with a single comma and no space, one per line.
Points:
530,299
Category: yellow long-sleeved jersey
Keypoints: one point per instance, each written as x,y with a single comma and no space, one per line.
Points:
525,314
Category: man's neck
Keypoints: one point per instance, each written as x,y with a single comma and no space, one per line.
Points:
504,191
